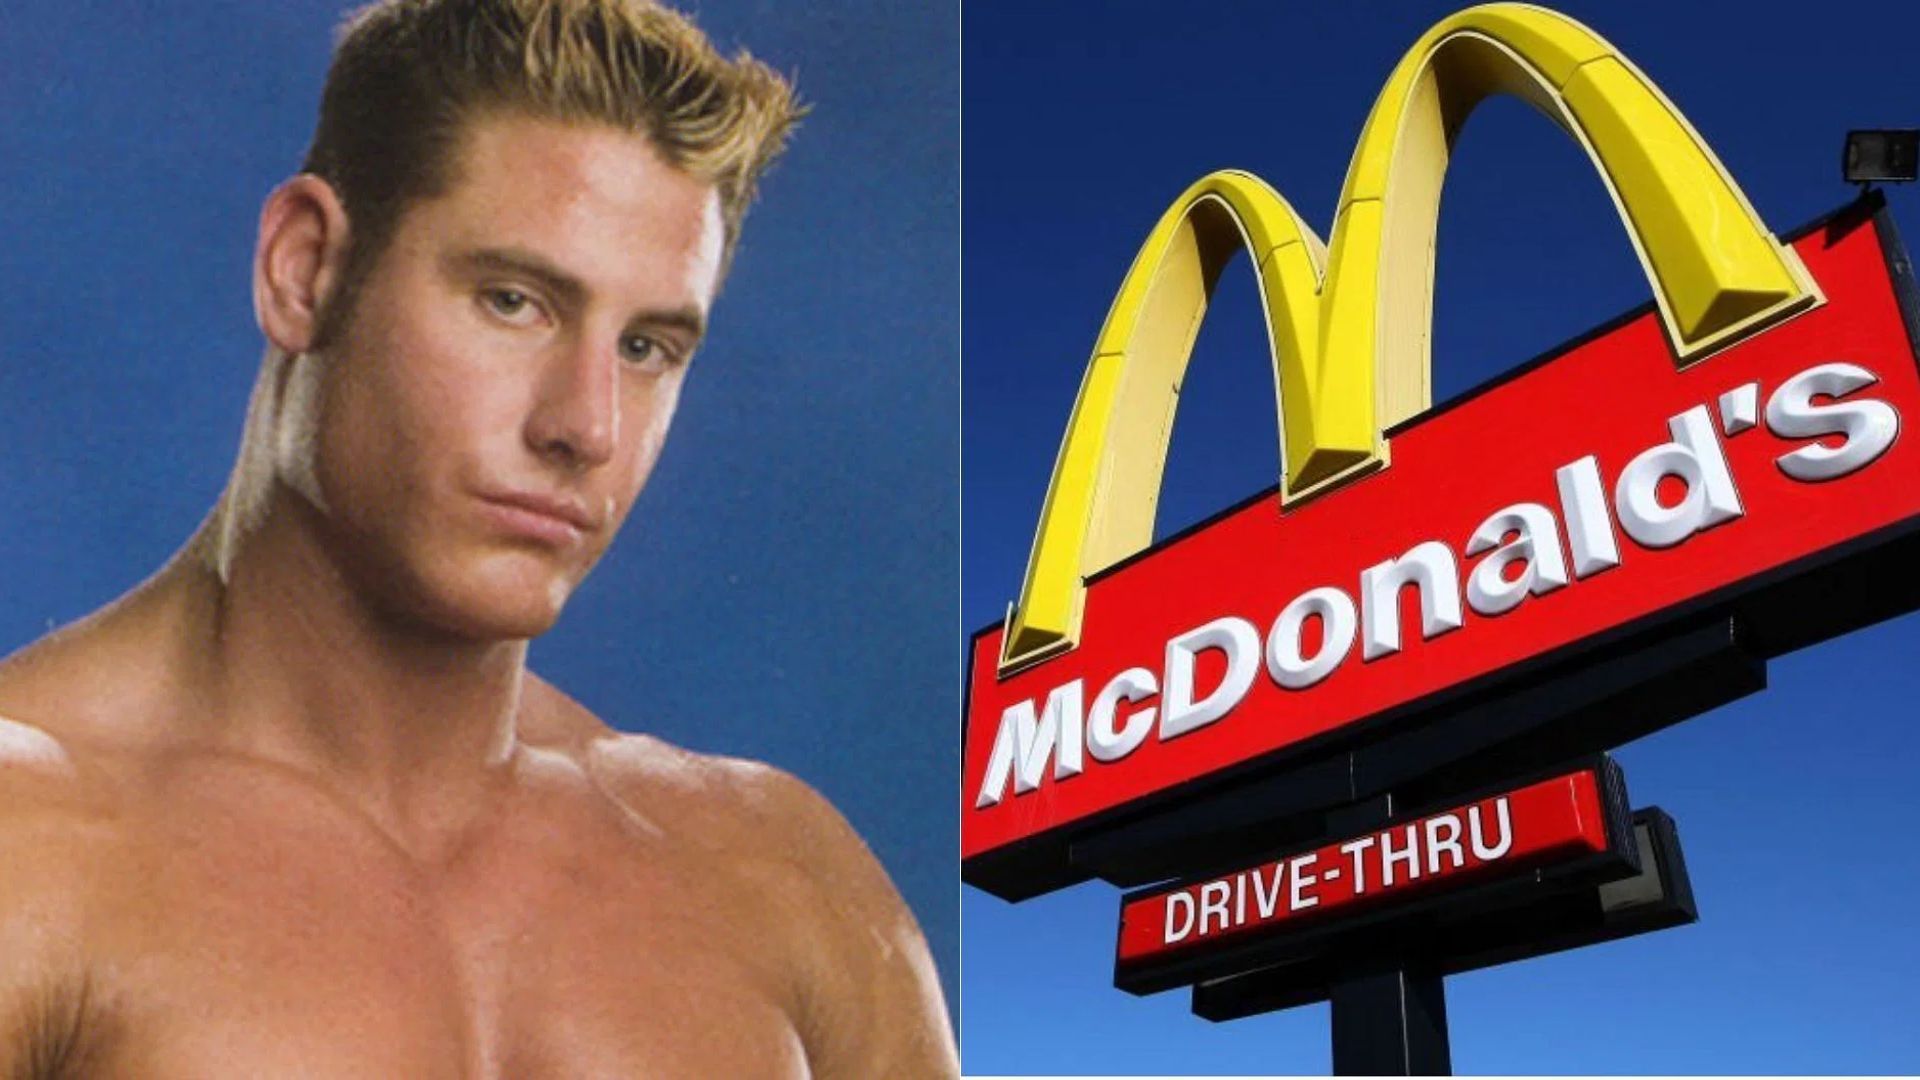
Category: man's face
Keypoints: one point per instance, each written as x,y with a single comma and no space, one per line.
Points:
506,379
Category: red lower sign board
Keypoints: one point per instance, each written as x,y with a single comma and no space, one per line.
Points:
1598,492
1520,924
1557,822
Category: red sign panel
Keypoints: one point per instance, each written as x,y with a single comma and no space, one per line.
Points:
1601,489
1553,821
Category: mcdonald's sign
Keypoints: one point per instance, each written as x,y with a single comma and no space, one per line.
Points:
1733,451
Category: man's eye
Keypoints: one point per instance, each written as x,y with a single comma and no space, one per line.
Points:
640,349
509,304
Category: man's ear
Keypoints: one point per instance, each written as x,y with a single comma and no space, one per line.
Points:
299,261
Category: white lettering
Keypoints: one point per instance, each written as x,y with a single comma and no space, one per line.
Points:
1517,552
1025,742
1694,457
1489,590
1410,855
1355,850
1264,902
1182,900
1298,879
1338,626
1583,502
1739,407
1429,568
1481,849
1103,742
1213,905
1241,642
1436,844
1869,425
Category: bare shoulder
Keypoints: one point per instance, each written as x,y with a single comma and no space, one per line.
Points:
54,806
49,786
872,1004
30,755
713,800
93,685
733,802
870,996
51,825
58,760
760,822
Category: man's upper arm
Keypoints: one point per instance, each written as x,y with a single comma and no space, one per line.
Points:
873,997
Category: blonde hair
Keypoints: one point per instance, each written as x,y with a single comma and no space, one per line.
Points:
409,76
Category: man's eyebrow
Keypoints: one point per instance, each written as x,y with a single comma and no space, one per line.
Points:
513,260
568,288
687,320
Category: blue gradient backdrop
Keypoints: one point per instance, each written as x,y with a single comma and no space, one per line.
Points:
785,588
1795,806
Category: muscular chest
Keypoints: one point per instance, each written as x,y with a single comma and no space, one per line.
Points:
301,945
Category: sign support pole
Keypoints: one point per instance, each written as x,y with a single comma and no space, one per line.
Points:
1390,1022
1389,1018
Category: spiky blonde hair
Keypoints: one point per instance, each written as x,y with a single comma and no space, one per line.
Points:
409,76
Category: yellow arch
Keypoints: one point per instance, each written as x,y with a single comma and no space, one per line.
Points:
1349,326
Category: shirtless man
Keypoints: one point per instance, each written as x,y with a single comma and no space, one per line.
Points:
295,806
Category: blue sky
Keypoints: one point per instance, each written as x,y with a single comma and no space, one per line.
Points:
785,588
1081,122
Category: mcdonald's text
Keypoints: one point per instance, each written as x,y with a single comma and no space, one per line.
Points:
1661,498
1603,491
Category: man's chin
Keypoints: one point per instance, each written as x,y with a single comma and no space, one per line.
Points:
486,623
485,608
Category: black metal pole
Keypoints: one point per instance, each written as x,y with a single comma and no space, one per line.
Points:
1390,1022
1389,1014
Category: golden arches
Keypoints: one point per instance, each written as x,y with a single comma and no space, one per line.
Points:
1349,325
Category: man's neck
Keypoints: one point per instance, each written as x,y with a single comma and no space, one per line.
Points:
301,667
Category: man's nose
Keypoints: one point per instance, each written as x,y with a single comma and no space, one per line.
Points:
576,417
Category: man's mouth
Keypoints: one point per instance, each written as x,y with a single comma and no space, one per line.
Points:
552,519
